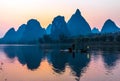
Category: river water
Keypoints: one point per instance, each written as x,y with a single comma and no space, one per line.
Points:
32,63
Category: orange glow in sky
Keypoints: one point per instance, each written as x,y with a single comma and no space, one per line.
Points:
13,13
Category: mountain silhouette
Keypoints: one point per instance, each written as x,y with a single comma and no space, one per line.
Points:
33,31
48,29
20,32
109,27
77,25
95,30
10,36
26,33
59,28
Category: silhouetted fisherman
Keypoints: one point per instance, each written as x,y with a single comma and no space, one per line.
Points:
71,49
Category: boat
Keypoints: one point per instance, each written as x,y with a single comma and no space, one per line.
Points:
72,49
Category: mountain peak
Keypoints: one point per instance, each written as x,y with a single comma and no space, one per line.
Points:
11,30
77,25
59,18
78,12
95,30
10,34
33,23
59,27
109,21
109,24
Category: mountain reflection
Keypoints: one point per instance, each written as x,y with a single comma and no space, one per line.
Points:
110,56
58,61
29,55
32,56
79,64
76,61
110,60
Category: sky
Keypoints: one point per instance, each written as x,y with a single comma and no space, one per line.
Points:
13,13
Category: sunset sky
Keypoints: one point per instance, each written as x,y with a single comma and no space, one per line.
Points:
13,13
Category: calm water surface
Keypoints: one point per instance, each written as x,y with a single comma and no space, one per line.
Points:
32,63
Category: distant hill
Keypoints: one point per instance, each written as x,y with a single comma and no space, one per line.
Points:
33,31
109,27
95,30
20,31
26,33
77,25
10,36
59,28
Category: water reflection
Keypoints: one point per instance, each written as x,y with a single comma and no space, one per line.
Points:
110,56
58,60
79,64
32,56
29,55
110,59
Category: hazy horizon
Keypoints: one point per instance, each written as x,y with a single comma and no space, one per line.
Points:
16,12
